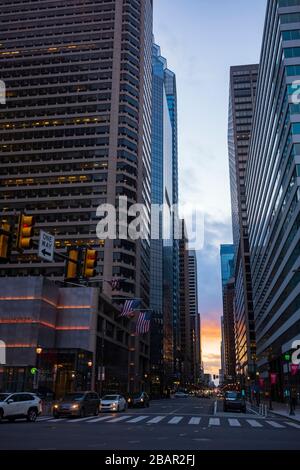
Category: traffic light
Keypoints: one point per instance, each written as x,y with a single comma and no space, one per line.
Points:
90,263
5,241
25,232
72,264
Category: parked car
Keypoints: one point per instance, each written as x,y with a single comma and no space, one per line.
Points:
234,401
113,403
139,400
20,405
78,404
181,395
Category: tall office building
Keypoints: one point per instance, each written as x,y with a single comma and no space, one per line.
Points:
228,353
184,303
163,264
243,80
195,320
273,194
76,133
76,129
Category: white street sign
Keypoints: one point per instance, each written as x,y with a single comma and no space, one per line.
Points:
46,246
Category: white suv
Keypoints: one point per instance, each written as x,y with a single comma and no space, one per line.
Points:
19,405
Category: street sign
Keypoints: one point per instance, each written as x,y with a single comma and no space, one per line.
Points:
46,246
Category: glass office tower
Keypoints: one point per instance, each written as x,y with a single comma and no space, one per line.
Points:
243,81
162,251
273,194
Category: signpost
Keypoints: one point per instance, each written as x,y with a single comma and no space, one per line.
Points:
46,246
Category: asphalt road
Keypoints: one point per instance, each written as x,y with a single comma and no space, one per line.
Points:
177,424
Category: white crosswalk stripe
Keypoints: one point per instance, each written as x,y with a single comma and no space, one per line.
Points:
56,420
156,420
98,420
195,421
138,419
117,420
254,423
214,422
176,420
78,420
234,423
294,425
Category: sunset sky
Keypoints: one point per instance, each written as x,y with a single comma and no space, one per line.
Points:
201,40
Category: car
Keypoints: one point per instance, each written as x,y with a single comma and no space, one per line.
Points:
20,405
234,401
113,403
77,404
139,400
181,395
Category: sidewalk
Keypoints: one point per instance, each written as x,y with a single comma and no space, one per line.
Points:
282,409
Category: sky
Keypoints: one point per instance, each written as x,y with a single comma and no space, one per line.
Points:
201,39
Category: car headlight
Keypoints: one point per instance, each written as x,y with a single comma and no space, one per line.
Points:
75,407
56,406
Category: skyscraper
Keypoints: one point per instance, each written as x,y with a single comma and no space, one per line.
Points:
195,320
76,134
228,352
164,266
243,81
273,194
76,128
184,304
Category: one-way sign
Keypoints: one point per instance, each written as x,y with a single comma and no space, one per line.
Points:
46,246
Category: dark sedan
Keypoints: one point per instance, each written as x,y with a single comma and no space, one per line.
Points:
138,400
79,404
234,401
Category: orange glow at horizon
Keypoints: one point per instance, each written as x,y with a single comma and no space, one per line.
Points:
211,344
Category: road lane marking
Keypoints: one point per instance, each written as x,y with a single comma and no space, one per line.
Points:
156,420
195,421
138,419
234,423
44,419
254,423
175,420
274,424
117,420
214,422
97,420
294,425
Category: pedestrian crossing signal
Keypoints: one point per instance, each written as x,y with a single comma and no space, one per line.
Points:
90,263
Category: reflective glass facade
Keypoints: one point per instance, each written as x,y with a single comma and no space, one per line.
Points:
162,252
272,187
227,263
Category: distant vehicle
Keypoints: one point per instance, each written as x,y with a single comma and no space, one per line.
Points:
234,401
79,404
20,405
181,395
113,403
138,400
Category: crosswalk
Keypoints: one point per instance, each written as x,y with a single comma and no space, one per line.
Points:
203,421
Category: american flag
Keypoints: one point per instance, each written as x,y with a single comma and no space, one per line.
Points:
115,284
129,307
143,323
